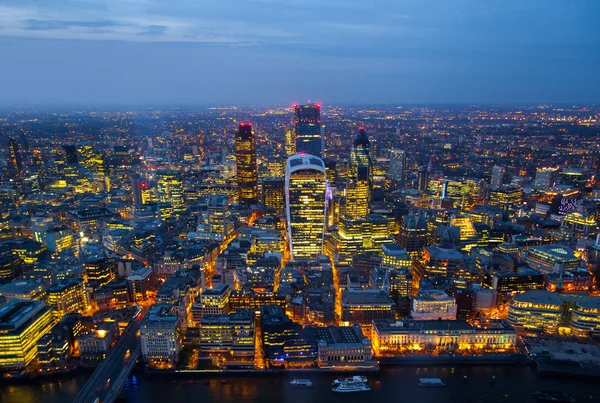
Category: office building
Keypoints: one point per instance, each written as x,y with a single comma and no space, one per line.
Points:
433,305
510,283
141,284
505,197
23,289
444,260
544,178
212,301
536,310
138,187
273,191
361,165
98,270
363,306
366,235
15,159
68,296
160,335
398,166
22,325
290,141
393,256
305,189
412,236
342,346
228,335
307,128
391,337
245,158
283,340
585,316
170,188
70,154
497,177
95,345
552,258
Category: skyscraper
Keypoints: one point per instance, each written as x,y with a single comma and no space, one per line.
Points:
15,156
305,189
70,154
138,185
398,166
360,157
307,126
497,177
245,158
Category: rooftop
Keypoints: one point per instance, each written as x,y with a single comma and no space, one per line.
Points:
539,297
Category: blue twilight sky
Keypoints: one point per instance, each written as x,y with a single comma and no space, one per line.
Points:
199,52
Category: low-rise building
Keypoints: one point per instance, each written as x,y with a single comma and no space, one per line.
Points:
405,335
342,347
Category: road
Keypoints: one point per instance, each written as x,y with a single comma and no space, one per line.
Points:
108,379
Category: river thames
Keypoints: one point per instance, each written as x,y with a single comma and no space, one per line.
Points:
393,385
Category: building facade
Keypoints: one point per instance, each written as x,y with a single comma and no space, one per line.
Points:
245,158
305,189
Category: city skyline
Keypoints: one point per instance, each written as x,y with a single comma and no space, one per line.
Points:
144,52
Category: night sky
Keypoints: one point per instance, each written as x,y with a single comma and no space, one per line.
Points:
197,52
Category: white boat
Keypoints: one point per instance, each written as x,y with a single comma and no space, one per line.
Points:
431,382
351,387
301,382
354,380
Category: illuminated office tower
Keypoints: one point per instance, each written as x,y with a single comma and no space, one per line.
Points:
497,177
98,270
398,166
305,189
274,194
219,217
70,154
307,127
245,158
170,188
67,296
290,141
357,200
22,325
16,162
361,165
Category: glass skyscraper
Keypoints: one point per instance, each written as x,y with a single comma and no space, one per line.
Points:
245,158
307,127
398,166
305,190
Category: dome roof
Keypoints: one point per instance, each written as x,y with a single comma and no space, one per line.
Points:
361,139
